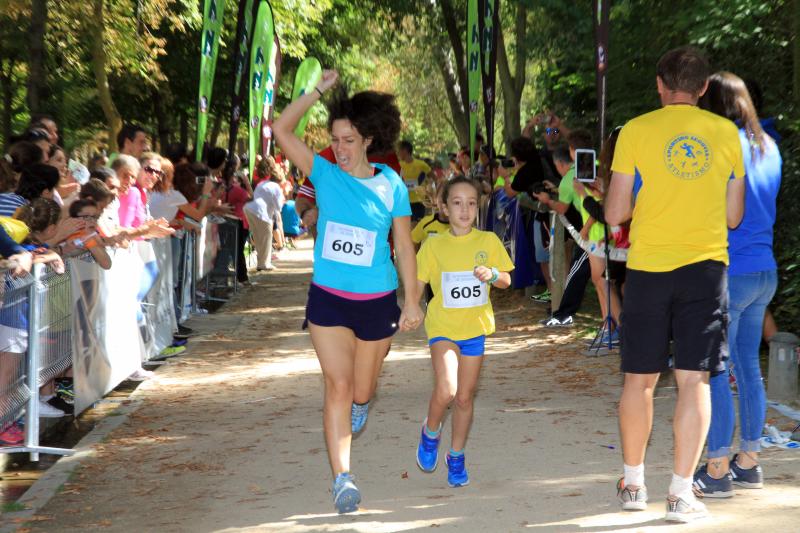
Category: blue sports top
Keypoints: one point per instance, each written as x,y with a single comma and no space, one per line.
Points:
352,251
750,244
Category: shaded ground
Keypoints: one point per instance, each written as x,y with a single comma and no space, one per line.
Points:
229,438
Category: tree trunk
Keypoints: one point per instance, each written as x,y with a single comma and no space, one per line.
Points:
216,128
36,77
7,82
796,53
184,129
460,120
161,101
457,42
96,31
513,84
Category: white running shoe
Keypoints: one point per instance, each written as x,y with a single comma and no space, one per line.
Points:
48,411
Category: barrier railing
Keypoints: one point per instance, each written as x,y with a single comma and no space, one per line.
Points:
87,318
41,359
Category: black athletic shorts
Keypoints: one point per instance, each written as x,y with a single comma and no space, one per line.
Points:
370,320
688,305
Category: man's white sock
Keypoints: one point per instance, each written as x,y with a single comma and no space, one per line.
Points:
681,487
634,475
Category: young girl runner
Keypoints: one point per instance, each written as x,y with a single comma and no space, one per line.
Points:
460,265
352,310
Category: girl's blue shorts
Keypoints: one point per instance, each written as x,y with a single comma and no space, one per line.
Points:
473,346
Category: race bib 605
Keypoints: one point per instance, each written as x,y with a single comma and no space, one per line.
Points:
348,244
463,289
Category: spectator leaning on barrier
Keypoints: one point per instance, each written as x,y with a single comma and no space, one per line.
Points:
678,174
236,193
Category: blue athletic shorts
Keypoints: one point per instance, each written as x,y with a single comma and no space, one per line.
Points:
370,320
473,346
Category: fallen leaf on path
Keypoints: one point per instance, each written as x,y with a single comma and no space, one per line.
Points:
404,475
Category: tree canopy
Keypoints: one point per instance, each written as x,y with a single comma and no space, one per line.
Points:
94,63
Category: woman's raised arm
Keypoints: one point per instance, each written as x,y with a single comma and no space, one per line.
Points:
295,149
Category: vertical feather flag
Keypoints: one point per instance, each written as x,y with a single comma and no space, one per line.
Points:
260,55
473,71
244,36
213,12
305,80
273,82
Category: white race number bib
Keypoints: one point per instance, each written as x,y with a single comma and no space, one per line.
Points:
348,244
463,289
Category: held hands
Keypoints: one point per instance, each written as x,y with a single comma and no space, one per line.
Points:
411,316
329,79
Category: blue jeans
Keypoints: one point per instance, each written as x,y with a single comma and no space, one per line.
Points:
749,296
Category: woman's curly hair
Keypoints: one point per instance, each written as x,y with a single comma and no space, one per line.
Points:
374,115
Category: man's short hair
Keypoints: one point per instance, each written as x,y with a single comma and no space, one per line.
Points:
523,149
561,153
580,139
407,146
684,69
129,132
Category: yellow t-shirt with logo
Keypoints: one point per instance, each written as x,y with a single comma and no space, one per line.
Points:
682,158
428,226
410,172
447,262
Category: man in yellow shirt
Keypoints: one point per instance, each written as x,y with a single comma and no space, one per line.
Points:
413,171
678,174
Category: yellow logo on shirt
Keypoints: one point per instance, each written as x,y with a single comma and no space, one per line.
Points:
687,157
481,258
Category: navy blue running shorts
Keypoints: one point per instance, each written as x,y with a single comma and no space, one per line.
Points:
370,320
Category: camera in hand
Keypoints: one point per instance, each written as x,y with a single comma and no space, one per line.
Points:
201,180
538,188
507,163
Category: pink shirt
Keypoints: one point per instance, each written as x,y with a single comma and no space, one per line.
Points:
132,208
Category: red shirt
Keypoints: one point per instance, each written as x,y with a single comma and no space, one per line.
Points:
306,190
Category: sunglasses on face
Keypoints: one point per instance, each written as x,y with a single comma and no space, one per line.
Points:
551,131
154,171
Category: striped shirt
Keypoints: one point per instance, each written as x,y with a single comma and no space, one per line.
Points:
9,202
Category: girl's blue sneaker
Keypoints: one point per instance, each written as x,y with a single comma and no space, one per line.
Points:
428,450
456,471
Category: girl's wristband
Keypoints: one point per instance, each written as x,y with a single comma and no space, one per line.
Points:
495,275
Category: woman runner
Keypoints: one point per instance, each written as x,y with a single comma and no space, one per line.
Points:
460,265
352,309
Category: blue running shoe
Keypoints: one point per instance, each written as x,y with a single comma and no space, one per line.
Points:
428,450
358,416
748,478
456,471
711,487
346,496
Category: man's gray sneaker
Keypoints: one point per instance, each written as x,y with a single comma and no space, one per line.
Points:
685,510
748,478
632,499
711,487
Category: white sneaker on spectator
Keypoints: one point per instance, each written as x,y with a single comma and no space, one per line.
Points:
141,375
48,411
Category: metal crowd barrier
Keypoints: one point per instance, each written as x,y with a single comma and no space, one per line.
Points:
226,257
34,304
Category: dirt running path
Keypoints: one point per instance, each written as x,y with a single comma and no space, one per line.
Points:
229,438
